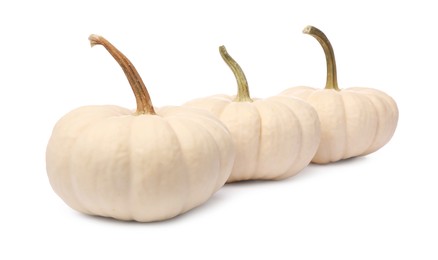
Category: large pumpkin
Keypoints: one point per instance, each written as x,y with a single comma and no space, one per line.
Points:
144,165
275,138
354,121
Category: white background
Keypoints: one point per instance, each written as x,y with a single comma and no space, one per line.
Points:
382,206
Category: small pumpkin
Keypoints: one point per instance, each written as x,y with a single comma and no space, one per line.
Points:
144,165
354,121
275,138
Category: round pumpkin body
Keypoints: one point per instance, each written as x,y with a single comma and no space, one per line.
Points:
275,138
354,121
103,160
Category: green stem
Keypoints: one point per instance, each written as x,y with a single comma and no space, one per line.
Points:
144,104
332,81
242,84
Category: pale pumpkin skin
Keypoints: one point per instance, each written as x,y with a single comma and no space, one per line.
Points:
114,162
354,121
275,138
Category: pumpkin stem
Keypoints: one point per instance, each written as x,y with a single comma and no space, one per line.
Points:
242,84
332,81
144,104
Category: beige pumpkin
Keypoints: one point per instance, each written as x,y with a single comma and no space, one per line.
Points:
147,165
354,121
275,138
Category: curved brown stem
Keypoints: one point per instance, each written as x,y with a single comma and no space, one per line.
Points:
144,104
332,81
242,84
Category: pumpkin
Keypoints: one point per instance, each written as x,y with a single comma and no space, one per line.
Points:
144,165
275,138
354,121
